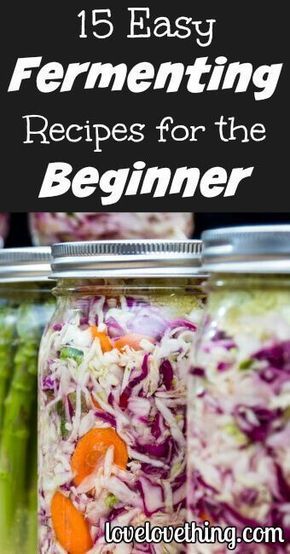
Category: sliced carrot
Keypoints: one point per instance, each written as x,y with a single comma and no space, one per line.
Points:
205,517
105,342
92,447
133,341
70,527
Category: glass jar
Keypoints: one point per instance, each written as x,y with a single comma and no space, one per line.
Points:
239,414
26,304
48,228
113,369
4,225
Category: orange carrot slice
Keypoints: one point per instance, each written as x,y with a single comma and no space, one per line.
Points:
130,340
105,342
205,517
70,527
92,447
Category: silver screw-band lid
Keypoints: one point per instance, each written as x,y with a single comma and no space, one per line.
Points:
249,249
25,264
127,258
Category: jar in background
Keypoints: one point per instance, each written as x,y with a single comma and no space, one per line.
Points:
4,225
239,413
26,304
113,369
50,227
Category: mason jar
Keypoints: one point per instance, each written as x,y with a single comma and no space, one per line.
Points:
239,392
48,228
26,304
112,391
4,226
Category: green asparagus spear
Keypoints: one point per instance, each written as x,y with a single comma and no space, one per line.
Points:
31,542
7,329
31,546
17,420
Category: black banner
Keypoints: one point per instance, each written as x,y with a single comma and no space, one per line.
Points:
145,106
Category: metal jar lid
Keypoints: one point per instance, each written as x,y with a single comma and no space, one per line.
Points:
249,249
126,259
25,264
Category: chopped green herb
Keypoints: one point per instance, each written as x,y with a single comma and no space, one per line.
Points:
246,364
68,352
60,409
232,430
111,500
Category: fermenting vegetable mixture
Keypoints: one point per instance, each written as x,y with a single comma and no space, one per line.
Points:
4,224
50,227
112,414
239,413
